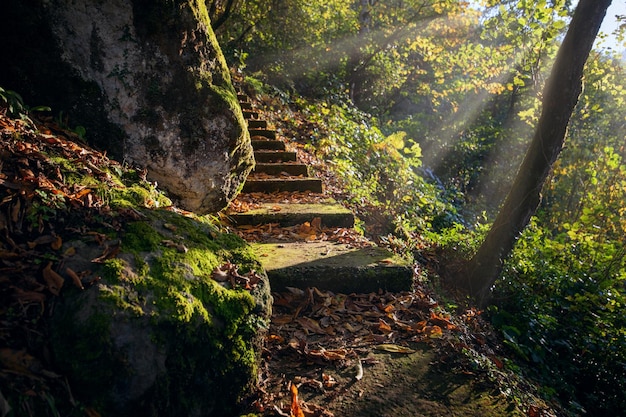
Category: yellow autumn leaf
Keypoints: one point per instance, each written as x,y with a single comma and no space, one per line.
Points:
389,347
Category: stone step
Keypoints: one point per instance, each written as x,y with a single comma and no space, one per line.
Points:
257,124
260,144
266,133
242,97
250,114
293,169
245,106
274,156
333,267
292,214
273,185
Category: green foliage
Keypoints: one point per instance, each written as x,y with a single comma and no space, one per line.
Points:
380,172
560,309
15,106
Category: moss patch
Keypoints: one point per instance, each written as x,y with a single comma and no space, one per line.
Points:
163,275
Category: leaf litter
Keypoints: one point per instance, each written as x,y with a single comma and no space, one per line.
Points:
43,209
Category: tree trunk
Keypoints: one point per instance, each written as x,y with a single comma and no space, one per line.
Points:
559,99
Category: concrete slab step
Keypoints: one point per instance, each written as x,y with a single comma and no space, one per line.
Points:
292,214
257,124
266,133
333,267
242,97
272,185
293,169
274,156
250,114
264,144
245,106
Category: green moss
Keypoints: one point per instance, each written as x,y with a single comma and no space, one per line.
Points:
113,269
141,237
123,298
137,195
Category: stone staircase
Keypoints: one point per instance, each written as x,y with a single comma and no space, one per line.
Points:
327,265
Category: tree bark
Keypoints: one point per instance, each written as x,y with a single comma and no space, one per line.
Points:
559,99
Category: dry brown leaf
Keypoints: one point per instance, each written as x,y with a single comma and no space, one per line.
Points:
17,360
441,321
110,251
383,326
310,325
434,332
52,279
29,296
41,240
57,243
75,278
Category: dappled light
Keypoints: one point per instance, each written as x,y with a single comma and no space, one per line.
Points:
402,207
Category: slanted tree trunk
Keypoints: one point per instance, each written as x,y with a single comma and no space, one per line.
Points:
559,99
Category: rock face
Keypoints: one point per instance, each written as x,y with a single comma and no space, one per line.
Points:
156,336
145,78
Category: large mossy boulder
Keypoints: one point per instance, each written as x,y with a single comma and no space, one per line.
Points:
114,301
157,336
147,80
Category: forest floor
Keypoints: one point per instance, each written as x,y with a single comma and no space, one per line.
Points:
327,354
413,353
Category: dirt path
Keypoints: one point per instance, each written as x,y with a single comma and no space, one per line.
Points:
409,353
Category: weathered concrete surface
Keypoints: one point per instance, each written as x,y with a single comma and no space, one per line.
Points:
148,81
334,267
291,214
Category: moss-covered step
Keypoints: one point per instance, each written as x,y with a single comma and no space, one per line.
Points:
291,184
265,144
290,214
333,267
274,156
290,168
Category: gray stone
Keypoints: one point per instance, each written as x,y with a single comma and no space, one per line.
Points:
148,81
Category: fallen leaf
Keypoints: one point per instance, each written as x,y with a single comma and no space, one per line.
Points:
388,347
53,280
110,251
328,380
41,240
434,332
57,243
441,321
296,411
29,296
17,360
75,278
383,326
90,412
310,325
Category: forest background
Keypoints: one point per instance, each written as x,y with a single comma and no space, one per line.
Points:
424,109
